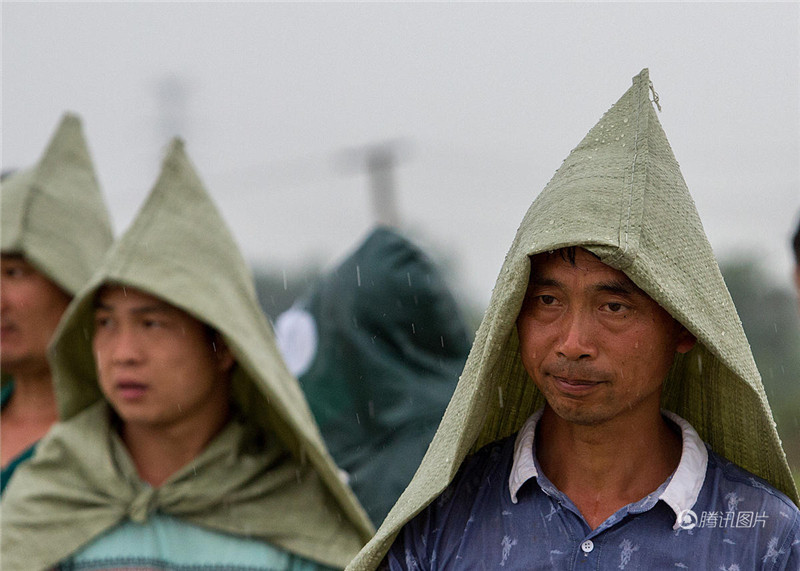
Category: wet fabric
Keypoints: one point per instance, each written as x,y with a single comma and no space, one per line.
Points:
383,354
75,488
737,521
620,195
54,213
9,469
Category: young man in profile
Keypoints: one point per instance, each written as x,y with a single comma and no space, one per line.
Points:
55,230
184,442
611,406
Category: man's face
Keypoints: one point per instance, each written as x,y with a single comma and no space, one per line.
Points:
156,364
594,344
30,308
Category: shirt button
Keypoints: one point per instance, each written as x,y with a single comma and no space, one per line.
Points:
587,546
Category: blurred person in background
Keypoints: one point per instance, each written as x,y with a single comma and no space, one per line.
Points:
55,230
610,414
184,441
377,345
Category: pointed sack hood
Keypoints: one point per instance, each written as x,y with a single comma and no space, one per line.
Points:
180,250
619,194
54,213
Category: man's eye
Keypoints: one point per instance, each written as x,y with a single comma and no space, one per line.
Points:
547,299
100,322
615,307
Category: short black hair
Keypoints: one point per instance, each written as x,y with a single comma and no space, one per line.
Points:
796,244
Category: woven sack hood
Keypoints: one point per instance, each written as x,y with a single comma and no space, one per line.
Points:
54,214
180,250
619,194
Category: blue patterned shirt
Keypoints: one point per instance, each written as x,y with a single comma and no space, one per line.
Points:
501,512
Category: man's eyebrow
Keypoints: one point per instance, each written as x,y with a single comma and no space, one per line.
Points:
539,281
621,287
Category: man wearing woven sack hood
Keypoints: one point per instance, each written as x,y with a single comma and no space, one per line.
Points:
183,441
55,230
609,352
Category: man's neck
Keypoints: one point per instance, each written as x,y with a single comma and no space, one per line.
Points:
29,414
603,468
160,451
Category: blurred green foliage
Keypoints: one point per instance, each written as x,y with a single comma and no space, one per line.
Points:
771,320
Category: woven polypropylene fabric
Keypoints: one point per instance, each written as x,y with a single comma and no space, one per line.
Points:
54,213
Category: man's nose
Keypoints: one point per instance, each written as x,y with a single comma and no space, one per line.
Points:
125,346
577,339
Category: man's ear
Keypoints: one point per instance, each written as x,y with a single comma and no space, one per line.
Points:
223,354
685,341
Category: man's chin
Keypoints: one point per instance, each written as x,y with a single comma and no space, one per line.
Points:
580,415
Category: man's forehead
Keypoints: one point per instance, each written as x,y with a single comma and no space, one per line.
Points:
112,293
582,260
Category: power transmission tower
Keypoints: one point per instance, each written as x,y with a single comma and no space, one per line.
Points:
380,160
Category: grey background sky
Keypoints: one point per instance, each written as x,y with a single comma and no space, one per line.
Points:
488,100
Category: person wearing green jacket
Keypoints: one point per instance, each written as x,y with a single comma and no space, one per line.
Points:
184,442
377,345
55,230
610,414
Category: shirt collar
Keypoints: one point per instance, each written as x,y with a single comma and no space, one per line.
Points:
681,492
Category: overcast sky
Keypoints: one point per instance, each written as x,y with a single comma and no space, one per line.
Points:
484,101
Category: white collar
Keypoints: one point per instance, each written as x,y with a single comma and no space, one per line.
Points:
681,492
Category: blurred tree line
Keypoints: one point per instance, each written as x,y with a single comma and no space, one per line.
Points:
769,313
771,319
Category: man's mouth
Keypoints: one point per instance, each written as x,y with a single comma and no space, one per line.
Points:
131,390
575,385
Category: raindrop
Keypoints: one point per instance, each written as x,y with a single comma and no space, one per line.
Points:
408,275
413,329
441,339
500,394
285,285
358,275
625,120
358,419
214,346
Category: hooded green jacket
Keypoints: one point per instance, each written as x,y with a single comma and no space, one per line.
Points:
619,194
286,491
391,344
